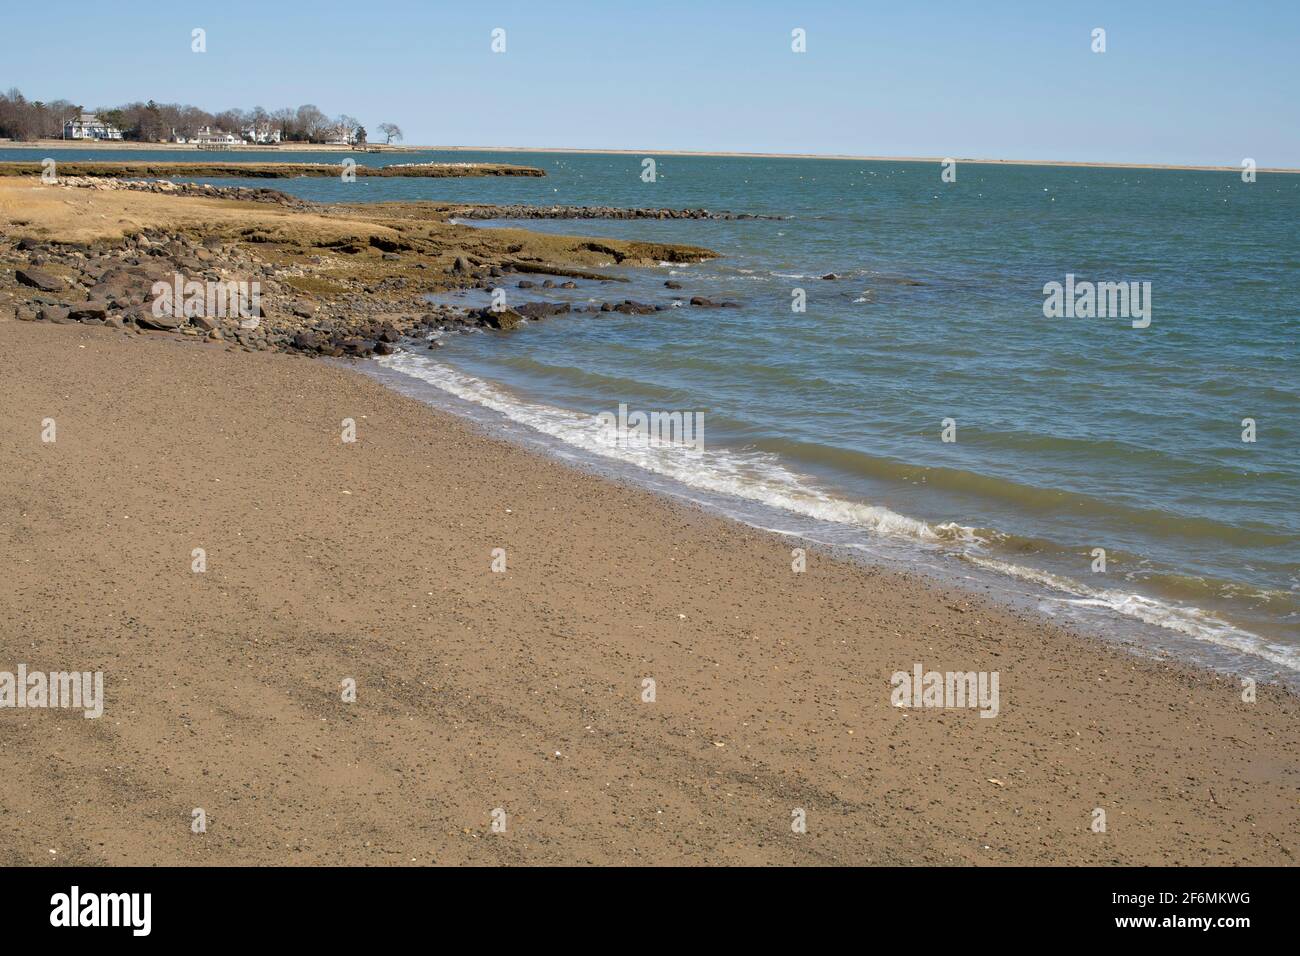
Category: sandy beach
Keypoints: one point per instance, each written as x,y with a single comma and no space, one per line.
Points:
523,691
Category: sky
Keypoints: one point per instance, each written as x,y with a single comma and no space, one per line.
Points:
1180,82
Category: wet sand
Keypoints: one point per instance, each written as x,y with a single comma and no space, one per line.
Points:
522,690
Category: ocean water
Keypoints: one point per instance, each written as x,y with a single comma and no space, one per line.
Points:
1071,434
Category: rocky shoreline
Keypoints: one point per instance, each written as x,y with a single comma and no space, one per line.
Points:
328,284
519,211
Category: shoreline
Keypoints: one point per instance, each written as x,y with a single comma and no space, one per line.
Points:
1188,167
522,690
356,280
1197,640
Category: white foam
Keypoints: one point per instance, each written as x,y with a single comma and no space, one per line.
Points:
762,478
754,476
1189,621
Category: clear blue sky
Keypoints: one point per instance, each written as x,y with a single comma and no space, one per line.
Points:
1181,82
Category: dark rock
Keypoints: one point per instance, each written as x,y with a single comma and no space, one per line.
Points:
89,310
505,320
670,284
383,348
40,280
628,307
358,347
144,317
526,284
540,310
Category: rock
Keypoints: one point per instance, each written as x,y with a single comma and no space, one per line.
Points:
56,314
307,341
569,285
24,314
506,320
358,348
628,307
113,322
40,280
204,322
540,310
97,311
526,284
670,284
144,317
383,348
832,276
548,284
460,265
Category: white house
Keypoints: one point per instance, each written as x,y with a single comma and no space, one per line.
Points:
207,136
261,133
340,135
90,126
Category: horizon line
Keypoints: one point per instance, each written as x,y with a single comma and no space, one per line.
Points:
842,156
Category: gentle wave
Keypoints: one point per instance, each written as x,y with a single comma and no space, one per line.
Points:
762,477
756,476
1190,621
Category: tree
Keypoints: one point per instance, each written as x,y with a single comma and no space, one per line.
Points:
391,131
311,122
114,118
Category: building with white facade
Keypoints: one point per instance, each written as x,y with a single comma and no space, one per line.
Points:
90,126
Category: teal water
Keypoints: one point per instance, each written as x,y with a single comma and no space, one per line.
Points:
1072,434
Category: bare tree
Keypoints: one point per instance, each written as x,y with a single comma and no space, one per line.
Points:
391,131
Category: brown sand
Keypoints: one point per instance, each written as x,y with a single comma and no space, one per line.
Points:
522,690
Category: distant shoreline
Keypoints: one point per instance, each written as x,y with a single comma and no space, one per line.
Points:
868,159
395,148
